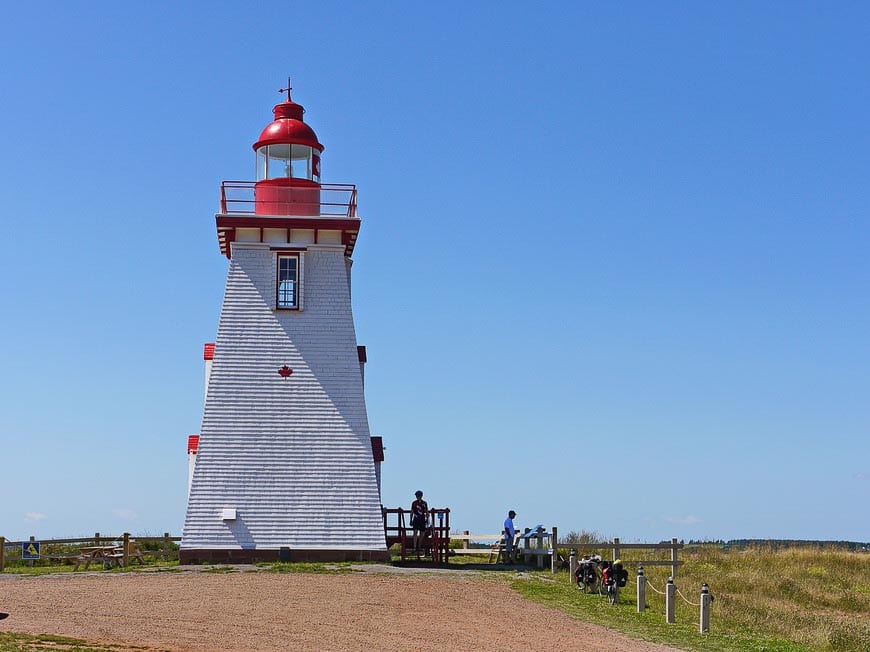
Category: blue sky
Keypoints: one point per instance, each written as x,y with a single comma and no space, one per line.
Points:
613,271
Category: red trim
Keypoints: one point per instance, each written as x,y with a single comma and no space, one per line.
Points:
260,221
250,556
227,225
378,448
192,444
208,351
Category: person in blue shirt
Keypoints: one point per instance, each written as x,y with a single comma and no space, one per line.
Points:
509,534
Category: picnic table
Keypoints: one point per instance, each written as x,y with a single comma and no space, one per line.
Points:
108,556
535,542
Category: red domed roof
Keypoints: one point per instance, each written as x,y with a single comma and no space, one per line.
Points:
288,127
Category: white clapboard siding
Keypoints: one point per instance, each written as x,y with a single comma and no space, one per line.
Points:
292,456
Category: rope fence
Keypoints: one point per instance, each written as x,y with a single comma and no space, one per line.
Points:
670,593
686,600
650,585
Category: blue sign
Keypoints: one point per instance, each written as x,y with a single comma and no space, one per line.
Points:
30,550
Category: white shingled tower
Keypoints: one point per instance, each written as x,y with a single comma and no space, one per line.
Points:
285,466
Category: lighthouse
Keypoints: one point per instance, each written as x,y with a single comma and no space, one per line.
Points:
285,466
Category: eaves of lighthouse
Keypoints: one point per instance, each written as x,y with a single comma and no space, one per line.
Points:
285,465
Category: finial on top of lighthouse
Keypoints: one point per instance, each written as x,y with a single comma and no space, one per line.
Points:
288,127
287,90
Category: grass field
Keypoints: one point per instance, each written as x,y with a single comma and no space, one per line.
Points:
778,600
765,599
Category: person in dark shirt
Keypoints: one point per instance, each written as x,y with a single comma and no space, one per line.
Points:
419,514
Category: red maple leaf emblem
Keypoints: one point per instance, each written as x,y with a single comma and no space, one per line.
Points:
285,371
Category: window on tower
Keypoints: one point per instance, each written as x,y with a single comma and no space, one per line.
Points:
287,161
288,282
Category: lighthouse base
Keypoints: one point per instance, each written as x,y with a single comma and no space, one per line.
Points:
240,556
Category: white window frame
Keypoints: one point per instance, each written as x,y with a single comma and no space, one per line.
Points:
297,290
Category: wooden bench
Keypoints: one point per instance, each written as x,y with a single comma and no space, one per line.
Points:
499,552
133,552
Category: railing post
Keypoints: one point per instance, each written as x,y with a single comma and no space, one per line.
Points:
97,539
466,544
641,590
572,565
126,558
166,546
554,556
674,564
670,592
706,599
401,531
615,548
2,553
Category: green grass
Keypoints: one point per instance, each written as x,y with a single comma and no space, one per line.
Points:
12,642
50,569
648,626
785,600
335,568
218,570
37,570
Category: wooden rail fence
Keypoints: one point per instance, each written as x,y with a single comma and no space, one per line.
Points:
617,547
543,545
125,540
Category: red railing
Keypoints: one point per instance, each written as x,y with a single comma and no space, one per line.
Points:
435,544
336,199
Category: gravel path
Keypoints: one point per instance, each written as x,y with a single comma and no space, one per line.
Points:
270,611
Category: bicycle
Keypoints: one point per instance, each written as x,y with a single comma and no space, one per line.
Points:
611,588
588,575
614,576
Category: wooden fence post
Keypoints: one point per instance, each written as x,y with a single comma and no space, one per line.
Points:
2,553
615,548
166,546
674,564
641,590
126,558
466,544
670,590
554,558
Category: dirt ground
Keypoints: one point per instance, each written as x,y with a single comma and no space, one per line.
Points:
194,610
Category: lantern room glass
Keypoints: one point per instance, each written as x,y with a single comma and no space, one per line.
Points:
288,161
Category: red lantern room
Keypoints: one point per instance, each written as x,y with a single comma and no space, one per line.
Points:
287,204
288,164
